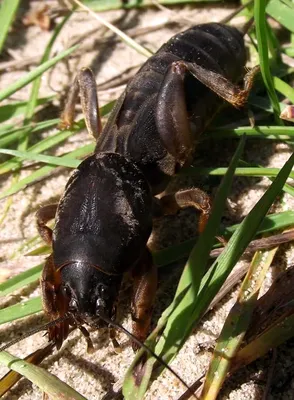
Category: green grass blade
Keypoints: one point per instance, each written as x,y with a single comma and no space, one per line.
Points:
249,171
177,252
183,304
27,155
14,87
261,35
43,145
20,310
36,127
236,324
42,172
283,12
263,103
20,280
51,141
12,377
99,5
40,251
37,82
47,382
263,132
8,10
18,108
242,237
284,88
273,45
13,137
213,279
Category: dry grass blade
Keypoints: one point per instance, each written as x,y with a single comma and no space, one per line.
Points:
131,42
272,322
236,324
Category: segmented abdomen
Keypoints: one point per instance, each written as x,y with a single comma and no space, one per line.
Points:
132,130
216,47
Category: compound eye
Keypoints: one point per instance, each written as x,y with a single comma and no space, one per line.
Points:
73,305
66,291
103,292
100,306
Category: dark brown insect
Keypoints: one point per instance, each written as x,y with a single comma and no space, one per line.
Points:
104,218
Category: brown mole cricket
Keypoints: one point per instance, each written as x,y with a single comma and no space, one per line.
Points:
104,218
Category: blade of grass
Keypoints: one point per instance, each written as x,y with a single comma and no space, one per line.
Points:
23,139
98,5
20,280
183,304
264,132
18,108
35,127
14,87
65,161
8,10
281,11
47,382
128,40
178,251
261,35
249,171
210,284
236,324
45,144
273,337
40,251
51,141
270,321
284,88
40,173
12,377
20,310
37,82
273,45
81,152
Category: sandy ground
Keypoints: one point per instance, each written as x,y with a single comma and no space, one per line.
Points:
94,375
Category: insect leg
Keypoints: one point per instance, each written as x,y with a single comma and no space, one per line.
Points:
85,85
171,115
233,94
55,305
44,215
145,285
172,203
172,119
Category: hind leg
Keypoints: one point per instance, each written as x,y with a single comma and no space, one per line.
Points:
144,291
43,215
197,198
85,86
172,118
